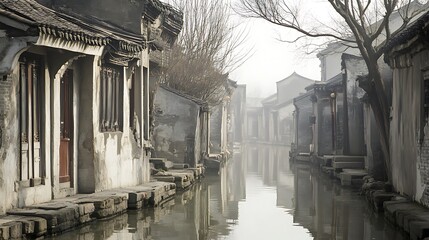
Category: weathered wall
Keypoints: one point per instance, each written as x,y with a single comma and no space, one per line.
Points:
374,161
106,159
409,141
9,151
286,127
199,143
118,160
216,129
323,138
124,13
340,123
304,130
238,113
86,167
354,67
175,120
17,193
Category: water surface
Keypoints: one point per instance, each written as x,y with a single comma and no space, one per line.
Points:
257,195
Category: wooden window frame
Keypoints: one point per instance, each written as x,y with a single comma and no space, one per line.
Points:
31,118
111,98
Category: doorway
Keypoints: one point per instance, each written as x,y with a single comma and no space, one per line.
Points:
66,126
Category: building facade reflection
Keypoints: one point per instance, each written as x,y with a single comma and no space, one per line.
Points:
256,194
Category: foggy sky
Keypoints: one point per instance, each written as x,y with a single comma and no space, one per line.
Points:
274,60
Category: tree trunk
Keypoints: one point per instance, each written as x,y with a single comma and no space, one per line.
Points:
374,87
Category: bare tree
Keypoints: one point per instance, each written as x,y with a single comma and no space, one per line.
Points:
367,28
206,50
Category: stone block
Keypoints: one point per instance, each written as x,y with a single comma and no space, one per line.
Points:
40,226
164,178
351,165
402,213
105,203
416,216
11,229
379,197
134,197
121,207
346,158
391,208
85,218
27,226
419,230
104,212
4,232
180,166
136,205
159,163
86,208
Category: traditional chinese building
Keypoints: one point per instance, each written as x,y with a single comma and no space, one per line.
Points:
74,115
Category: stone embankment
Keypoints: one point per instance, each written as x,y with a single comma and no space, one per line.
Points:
408,216
59,215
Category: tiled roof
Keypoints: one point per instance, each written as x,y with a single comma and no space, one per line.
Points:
408,33
48,21
91,31
198,101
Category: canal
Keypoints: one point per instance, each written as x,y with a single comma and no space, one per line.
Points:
257,195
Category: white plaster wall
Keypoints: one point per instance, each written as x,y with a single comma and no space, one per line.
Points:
9,152
41,193
333,61
115,164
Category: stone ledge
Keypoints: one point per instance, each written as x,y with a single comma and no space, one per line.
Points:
60,215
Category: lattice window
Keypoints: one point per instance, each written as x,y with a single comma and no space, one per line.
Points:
111,102
31,115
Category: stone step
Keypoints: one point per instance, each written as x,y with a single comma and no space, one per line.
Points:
58,220
350,165
180,165
350,176
160,163
61,215
346,158
391,209
161,192
303,158
16,227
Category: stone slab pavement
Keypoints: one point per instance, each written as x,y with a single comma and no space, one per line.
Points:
59,215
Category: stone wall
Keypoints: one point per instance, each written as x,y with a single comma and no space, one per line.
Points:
304,135
175,123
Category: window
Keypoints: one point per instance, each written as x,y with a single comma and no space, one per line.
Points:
111,102
31,116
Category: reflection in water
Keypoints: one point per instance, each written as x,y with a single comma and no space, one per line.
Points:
258,195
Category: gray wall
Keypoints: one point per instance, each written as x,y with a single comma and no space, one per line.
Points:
124,13
354,67
176,120
216,129
324,145
304,135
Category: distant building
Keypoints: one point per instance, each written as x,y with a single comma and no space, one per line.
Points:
181,127
238,125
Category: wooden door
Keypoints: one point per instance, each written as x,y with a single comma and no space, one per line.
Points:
66,126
